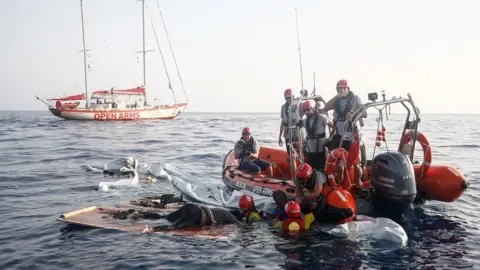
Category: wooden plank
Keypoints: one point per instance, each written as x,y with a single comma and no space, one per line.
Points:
97,217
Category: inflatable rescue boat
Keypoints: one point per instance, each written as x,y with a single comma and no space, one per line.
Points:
393,181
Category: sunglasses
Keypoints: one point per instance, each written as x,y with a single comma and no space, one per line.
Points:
341,89
245,133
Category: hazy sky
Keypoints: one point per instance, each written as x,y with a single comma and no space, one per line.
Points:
242,55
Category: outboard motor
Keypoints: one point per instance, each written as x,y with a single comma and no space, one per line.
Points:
393,180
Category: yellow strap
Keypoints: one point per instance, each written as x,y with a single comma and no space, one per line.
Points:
278,225
308,220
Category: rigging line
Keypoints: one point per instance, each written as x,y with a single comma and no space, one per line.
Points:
173,55
161,54
299,51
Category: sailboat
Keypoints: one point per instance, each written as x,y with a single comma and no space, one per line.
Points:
117,105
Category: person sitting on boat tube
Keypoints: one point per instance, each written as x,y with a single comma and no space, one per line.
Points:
295,223
246,151
343,105
332,205
316,125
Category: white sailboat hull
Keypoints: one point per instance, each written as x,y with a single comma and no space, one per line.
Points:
153,113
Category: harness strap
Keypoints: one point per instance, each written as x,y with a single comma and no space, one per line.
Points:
207,216
317,137
342,114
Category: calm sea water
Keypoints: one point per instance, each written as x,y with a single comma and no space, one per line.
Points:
42,175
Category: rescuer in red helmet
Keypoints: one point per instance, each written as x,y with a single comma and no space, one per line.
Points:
246,151
315,125
284,114
295,222
343,105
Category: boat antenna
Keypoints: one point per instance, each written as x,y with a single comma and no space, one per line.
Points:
299,51
84,50
161,55
173,55
314,88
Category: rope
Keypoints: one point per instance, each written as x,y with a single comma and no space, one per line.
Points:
161,54
173,55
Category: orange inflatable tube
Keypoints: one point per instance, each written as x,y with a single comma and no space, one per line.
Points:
442,183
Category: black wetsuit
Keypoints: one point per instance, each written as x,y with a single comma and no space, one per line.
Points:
192,215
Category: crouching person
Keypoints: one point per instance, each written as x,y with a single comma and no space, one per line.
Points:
327,204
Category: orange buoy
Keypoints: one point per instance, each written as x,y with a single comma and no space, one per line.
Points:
334,157
427,153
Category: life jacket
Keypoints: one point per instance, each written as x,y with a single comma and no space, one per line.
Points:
311,129
287,113
342,114
335,205
248,146
252,215
310,183
293,225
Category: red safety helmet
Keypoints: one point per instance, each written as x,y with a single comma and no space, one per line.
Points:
293,210
288,93
307,105
343,83
246,131
304,172
246,202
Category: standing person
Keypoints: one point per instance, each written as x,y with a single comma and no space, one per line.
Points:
246,151
343,105
284,115
316,125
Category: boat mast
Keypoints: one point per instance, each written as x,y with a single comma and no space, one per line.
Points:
84,56
143,50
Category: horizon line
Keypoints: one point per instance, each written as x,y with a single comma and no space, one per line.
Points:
453,113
